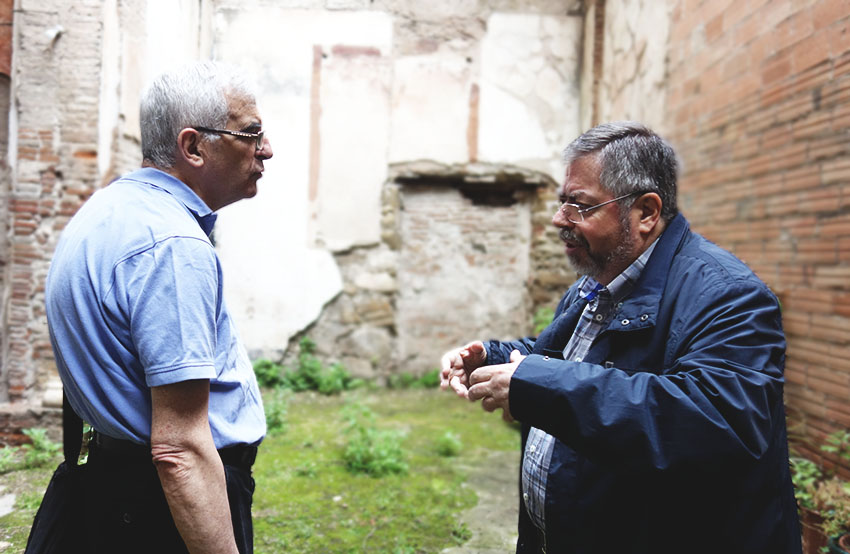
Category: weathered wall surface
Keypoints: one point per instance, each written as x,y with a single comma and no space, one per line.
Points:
351,91
757,106
73,126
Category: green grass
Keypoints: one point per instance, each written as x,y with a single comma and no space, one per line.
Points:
306,499
28,485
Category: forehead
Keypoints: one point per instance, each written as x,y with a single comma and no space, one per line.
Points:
582,177
242,108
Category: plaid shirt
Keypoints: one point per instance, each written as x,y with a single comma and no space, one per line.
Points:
602,305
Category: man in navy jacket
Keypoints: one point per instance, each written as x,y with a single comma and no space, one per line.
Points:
651,407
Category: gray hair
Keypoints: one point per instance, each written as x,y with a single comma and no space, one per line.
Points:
191,95
631,158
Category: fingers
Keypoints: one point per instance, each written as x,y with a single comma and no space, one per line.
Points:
474,355
449,363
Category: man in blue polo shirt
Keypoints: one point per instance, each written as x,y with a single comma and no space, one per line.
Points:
144,343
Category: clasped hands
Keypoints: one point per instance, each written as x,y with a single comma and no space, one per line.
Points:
464,370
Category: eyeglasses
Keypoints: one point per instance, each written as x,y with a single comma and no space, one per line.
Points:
258,137
575,213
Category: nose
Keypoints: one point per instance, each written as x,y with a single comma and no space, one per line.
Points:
560,218
265,152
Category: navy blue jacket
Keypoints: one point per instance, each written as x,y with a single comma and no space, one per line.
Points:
671,432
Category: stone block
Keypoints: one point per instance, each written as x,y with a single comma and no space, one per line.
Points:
379,282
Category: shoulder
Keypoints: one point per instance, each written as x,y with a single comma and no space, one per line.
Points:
701,266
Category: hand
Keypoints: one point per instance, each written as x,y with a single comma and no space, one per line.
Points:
457,364
492,384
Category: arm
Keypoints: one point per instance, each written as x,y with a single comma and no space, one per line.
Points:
189,467
458,364
716,402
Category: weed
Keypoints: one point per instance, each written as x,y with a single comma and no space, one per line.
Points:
838,443
8,459
428,380
269,374
376,452
311,374
542,318
29,501
805,474
448,444
461,533
276,412
42,451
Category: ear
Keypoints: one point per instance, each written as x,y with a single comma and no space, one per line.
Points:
648,208
189,148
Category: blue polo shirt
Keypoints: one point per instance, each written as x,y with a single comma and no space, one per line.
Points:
134,300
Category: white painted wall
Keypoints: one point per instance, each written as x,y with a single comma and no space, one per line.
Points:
529,93
380,104
376,109
276,248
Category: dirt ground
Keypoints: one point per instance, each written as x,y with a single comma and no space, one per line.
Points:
493,520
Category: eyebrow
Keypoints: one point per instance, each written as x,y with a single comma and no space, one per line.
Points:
575,197
252,127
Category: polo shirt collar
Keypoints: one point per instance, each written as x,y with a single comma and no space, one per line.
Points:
205,217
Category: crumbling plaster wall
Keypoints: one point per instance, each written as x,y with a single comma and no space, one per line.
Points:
633,78
75,74
352,93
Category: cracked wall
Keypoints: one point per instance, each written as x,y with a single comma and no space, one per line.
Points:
351,90
353,93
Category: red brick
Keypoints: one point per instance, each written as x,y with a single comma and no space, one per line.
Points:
793,29
816,251
813,50
835,171
827,12
830,327
834,227
714,28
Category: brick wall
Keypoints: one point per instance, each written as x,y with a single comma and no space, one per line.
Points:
56,75
759,109
6,16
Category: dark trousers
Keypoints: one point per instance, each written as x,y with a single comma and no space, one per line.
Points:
127,511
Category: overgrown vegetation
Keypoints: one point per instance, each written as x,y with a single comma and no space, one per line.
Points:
276,408
542,318
427,380
310,500
376,452
40,452
449,444
823,490
310,373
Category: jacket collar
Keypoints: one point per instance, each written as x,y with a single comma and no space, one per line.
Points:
645,299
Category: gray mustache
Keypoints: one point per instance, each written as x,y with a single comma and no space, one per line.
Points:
568,236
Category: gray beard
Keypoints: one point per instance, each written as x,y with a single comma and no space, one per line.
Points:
595,264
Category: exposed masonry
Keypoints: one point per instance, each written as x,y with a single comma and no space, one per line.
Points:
410,297
497,216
